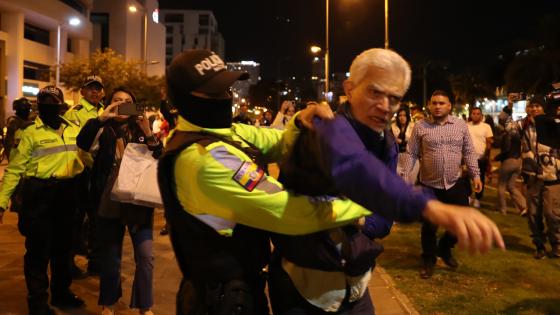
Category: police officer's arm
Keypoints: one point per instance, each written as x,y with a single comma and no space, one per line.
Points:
16,169
211,181
275,144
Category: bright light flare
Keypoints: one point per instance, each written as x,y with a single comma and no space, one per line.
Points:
315,49
132,9
74,21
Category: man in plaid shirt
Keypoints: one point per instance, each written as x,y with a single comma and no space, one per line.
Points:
443,142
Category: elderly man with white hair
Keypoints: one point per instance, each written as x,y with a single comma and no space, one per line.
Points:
354,155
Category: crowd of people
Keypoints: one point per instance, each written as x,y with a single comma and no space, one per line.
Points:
345,177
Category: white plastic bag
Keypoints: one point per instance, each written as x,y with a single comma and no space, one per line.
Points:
137,179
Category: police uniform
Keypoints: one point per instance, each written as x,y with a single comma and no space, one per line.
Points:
48,162
80,114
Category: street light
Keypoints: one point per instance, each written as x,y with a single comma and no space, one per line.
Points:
74,21
386,24
326,49
315,49
134,9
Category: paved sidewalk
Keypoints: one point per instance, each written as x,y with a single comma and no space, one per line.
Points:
387,300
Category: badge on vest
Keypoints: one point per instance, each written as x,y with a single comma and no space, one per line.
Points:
248,175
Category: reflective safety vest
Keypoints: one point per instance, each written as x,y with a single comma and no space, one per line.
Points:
43,153
79,114
82,112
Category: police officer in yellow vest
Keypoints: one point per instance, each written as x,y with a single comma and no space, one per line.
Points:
218,198
90,104
48,162
89,107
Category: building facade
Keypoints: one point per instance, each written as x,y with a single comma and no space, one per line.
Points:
34,37
191,29
132,29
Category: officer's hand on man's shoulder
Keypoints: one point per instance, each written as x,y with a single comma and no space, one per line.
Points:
322,110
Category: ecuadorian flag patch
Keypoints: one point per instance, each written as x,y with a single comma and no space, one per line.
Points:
249,175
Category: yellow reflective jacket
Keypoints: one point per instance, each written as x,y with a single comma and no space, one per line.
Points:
43,153
80,113
210,185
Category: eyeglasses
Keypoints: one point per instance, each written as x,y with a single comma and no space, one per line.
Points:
394,100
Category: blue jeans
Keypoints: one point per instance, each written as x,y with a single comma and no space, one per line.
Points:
110,236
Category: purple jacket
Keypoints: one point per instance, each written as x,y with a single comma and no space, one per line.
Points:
354,167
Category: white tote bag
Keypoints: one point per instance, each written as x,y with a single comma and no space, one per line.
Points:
137,179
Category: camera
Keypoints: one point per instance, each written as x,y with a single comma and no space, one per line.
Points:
131,109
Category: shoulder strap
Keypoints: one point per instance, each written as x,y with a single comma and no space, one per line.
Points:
183,139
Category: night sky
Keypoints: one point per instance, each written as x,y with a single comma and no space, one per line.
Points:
459,32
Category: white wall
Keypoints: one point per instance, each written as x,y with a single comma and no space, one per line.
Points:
46,14
126,31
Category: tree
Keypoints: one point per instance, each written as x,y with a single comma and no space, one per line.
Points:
115,71
470,86
537,62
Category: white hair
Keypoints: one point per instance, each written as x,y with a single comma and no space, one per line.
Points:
381,59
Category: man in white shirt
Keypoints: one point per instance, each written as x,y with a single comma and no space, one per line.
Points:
481,134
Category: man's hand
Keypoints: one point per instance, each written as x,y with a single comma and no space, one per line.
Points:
475,232
284,106
2,215
110,111
322,110
477,185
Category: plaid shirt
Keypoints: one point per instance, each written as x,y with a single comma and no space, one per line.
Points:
441,149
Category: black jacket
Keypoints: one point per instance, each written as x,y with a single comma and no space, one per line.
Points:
104,157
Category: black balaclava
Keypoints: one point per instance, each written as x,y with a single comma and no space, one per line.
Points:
49,114
206,112
22,108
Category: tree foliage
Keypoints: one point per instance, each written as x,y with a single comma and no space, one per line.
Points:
115,71
537,62
470,86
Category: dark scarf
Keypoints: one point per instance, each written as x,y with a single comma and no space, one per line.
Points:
207,112
49,114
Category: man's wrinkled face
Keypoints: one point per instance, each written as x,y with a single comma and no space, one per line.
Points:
439,106
376,98
93,93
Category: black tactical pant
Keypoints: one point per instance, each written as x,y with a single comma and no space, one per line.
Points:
46,222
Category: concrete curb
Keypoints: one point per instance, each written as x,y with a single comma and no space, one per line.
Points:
400,297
